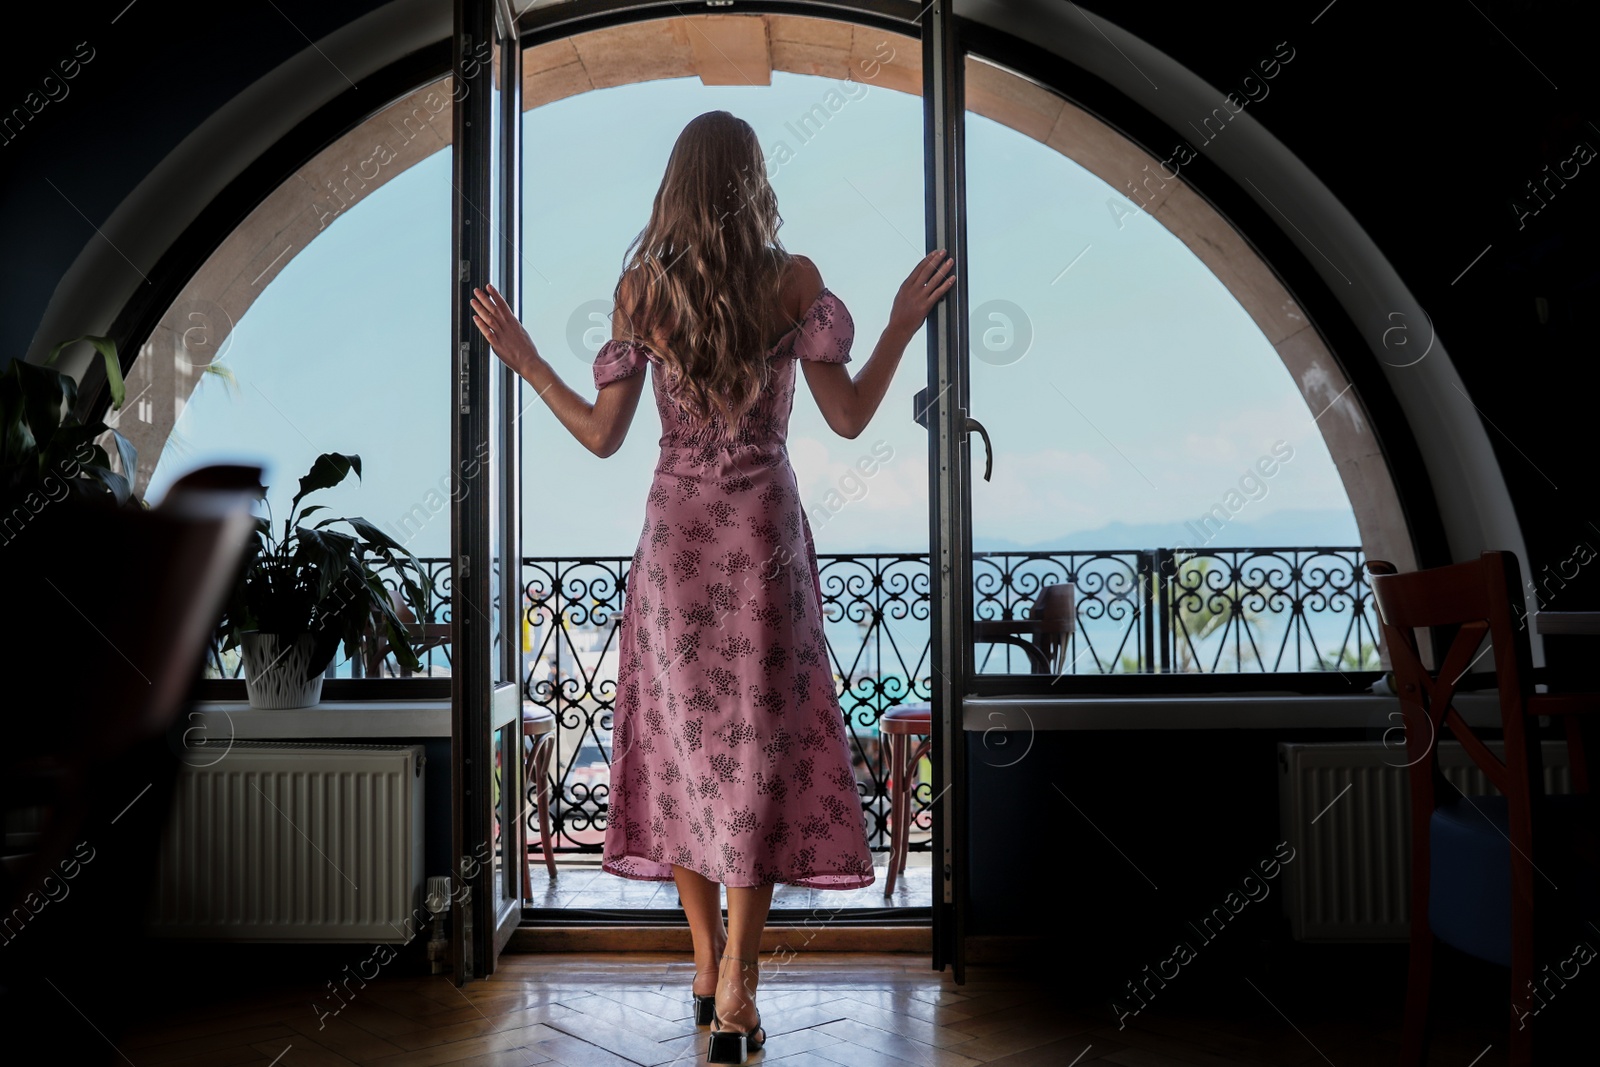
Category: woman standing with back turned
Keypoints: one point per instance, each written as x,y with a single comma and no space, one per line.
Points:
730,764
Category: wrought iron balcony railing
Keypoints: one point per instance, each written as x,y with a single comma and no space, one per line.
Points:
1144,611
1148,611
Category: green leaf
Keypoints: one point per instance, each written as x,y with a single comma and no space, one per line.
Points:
329,470
399,637
326,553
114,482
67,439
225,375
378,537
400,643
18,448
127,455
323,651
42,398
401,561
16,440
108,352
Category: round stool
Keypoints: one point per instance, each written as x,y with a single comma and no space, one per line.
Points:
898,726
539,728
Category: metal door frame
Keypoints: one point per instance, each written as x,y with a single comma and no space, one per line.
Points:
482,921
949,529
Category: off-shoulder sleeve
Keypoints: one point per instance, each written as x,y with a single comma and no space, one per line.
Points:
617,360
827,331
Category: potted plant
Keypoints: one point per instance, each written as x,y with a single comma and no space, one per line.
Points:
304,591
47,454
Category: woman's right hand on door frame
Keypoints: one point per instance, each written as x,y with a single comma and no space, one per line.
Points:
502,329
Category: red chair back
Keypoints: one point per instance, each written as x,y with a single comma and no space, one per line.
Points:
1476,602
1469,604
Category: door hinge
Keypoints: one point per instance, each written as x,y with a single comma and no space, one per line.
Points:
464,569
464,378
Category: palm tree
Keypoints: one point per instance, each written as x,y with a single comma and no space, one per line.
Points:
1198,611
1347,659
176,443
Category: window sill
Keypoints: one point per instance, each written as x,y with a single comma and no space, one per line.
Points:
1252,711
215,720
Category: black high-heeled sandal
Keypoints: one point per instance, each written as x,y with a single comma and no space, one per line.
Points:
734,1046
705,1005
705,1008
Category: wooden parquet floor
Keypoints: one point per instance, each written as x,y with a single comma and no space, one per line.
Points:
582,886
820,1010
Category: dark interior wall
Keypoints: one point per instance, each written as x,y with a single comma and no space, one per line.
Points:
1105,843
117,87
1435,124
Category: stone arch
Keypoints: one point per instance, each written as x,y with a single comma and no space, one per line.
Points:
744,50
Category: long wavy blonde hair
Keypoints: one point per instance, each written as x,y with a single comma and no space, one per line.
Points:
701,279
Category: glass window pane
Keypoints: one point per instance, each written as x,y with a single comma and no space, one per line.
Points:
322,325
1149,441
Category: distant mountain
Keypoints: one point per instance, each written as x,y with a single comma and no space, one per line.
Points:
1289,528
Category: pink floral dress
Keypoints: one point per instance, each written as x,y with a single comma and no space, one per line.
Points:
729,753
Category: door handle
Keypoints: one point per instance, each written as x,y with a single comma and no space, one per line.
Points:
968,425
919,412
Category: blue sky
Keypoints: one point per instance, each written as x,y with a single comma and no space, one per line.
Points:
1145,394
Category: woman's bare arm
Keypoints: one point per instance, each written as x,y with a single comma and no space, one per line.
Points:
601,426
847,403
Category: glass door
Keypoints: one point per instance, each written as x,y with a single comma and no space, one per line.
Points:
508,825
488,847
942,409
1059,366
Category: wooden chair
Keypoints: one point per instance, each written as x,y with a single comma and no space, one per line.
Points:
898,727
907,729
539,736
1044,635
424,637
1478,864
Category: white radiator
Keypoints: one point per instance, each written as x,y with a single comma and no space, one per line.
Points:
1345,809
294,841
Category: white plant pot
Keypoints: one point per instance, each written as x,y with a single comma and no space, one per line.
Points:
275,670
